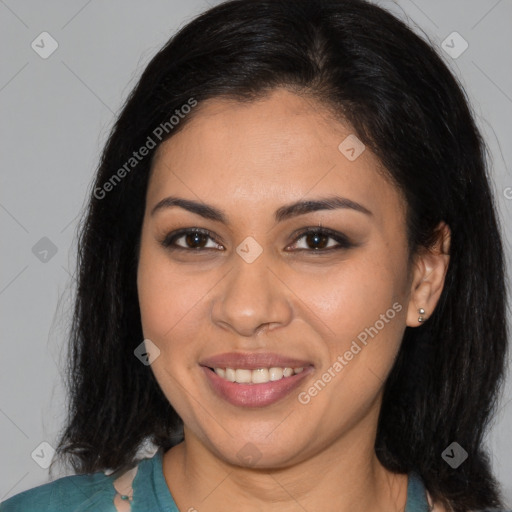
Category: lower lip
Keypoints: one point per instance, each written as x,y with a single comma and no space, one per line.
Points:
255,395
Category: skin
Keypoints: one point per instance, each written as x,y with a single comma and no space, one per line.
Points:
249,159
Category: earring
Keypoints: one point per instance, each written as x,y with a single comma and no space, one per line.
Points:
421,311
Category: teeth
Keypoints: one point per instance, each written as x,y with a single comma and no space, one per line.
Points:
221,372
276,373
243,376
230,375
257,376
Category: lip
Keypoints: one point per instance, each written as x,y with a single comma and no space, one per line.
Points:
254,395
253,361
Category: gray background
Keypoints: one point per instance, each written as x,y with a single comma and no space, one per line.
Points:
55,116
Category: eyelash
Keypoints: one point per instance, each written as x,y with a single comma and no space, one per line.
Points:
343,242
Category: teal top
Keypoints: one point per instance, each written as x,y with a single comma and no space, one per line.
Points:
96,492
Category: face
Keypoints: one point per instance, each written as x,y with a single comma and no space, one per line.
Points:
305,302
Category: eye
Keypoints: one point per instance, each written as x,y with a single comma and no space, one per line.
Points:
191,239
317,240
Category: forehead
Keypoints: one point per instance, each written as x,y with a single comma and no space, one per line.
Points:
274,150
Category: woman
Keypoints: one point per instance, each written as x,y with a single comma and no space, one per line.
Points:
290,278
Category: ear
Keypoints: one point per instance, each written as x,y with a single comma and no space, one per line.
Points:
429,272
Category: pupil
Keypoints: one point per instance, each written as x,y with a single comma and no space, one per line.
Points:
316,238
193,239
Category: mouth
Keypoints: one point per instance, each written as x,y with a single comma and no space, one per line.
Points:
256,376
254,380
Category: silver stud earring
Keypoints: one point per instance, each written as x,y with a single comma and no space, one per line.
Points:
421,311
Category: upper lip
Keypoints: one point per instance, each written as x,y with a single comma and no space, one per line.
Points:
252,361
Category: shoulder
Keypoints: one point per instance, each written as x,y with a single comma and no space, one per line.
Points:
75,492
436,507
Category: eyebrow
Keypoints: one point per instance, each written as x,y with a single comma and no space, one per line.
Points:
281,214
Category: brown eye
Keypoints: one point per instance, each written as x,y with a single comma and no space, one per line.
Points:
317,240
195,240
322,240
190,239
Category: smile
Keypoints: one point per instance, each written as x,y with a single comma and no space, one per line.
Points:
255,387
256,376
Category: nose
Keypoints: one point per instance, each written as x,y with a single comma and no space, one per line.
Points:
252,298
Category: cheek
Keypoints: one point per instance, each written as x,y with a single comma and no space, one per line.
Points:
156,315
356,293
166,304
363,303
164,297
173,302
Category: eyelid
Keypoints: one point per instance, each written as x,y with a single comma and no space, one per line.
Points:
342,240
170,238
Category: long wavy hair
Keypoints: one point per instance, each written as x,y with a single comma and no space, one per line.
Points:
371,70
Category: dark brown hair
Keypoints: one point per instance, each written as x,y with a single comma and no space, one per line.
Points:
406,106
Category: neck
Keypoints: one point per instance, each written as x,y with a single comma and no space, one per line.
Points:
342,477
